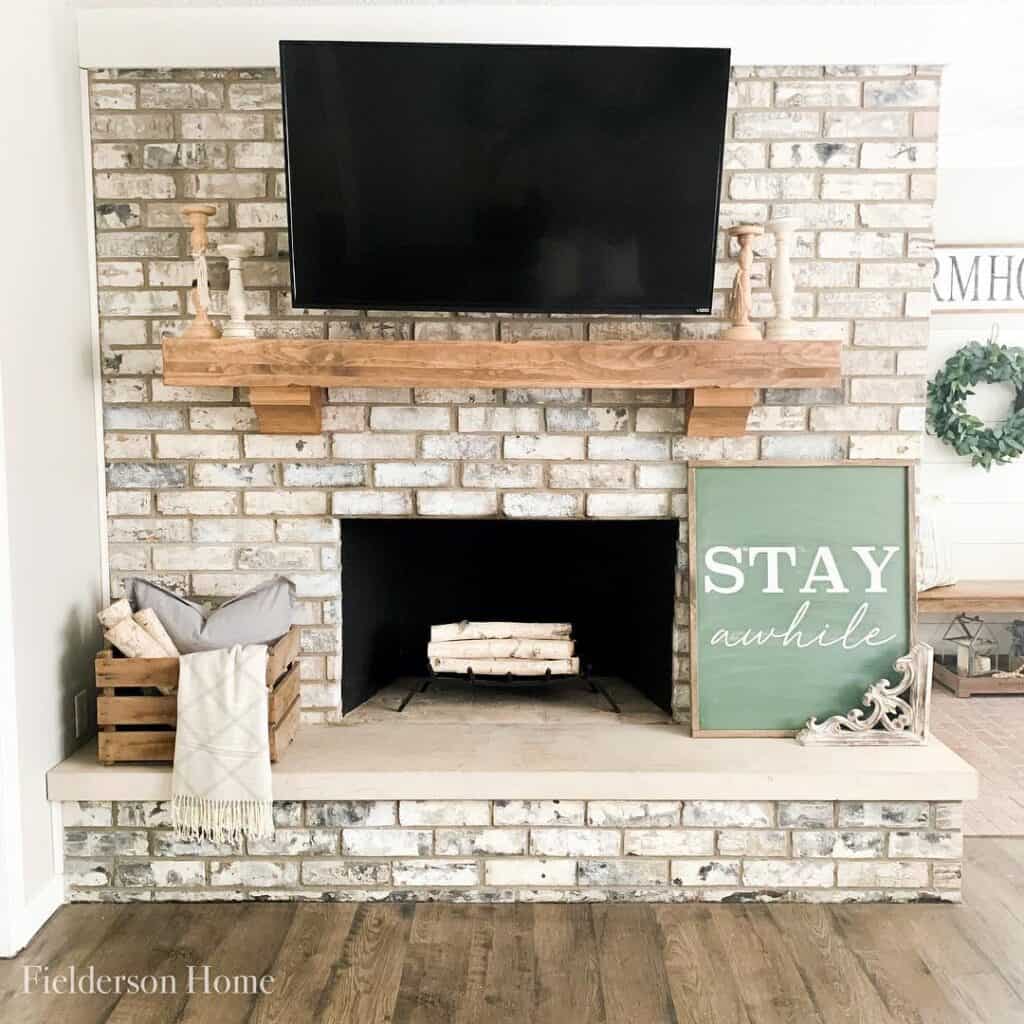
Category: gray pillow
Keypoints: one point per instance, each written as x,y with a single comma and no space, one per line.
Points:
259,616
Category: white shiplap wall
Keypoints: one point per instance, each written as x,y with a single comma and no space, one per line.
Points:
979,203
984,511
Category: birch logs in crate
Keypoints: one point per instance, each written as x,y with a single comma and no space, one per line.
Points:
530,649
138,635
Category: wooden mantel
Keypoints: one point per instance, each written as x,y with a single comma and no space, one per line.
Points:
502,364
287,375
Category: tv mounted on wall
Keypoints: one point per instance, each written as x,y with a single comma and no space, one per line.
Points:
555,179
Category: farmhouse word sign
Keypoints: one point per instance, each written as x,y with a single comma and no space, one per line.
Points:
801,590
978,278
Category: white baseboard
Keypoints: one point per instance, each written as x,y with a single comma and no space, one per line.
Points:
31,917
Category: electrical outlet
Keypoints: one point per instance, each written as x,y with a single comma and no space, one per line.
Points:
81,712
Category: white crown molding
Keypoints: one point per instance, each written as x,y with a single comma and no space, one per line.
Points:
247,36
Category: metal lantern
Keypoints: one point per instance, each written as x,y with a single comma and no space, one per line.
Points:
976,646
1016,645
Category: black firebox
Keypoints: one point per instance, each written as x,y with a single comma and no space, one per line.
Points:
615,581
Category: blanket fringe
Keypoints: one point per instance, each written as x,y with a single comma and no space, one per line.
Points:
220,821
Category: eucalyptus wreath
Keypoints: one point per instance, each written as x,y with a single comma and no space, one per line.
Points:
948,418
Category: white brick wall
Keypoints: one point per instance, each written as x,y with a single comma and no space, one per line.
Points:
536,850
199,500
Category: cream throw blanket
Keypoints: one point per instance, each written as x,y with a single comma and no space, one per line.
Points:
221,788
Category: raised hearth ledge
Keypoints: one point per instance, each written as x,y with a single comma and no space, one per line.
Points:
508,762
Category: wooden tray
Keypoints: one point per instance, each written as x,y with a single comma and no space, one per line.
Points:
141,727
968,686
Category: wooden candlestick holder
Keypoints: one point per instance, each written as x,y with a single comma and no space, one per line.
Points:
236,327
740,301
198,216
782,327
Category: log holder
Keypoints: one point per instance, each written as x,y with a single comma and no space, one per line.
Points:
522,682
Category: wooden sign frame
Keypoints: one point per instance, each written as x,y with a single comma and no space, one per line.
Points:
911,567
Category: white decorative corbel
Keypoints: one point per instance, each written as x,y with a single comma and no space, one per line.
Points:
898,711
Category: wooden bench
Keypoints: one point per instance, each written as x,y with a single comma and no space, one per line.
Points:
975,597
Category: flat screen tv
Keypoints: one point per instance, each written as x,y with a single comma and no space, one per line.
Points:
553,179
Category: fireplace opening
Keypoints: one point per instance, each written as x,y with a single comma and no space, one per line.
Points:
615,581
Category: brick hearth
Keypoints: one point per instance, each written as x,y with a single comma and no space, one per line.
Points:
502,851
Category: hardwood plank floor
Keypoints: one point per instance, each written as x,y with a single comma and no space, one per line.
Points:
550,964
986,732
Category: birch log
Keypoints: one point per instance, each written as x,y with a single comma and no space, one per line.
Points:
542,650
506,666
148,620
111,616
500,631
133,641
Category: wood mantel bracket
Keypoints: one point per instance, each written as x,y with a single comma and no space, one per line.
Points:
288,409
286,377
719,412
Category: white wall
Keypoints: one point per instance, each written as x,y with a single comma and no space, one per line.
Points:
49,426
222,33
980,201
981,151
983,511
10,803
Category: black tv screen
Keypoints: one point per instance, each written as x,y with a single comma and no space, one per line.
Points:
574,179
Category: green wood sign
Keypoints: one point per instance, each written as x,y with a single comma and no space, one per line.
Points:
801,589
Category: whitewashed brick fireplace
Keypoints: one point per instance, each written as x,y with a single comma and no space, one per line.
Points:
202,502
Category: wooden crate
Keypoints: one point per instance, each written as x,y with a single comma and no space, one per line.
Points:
123,717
